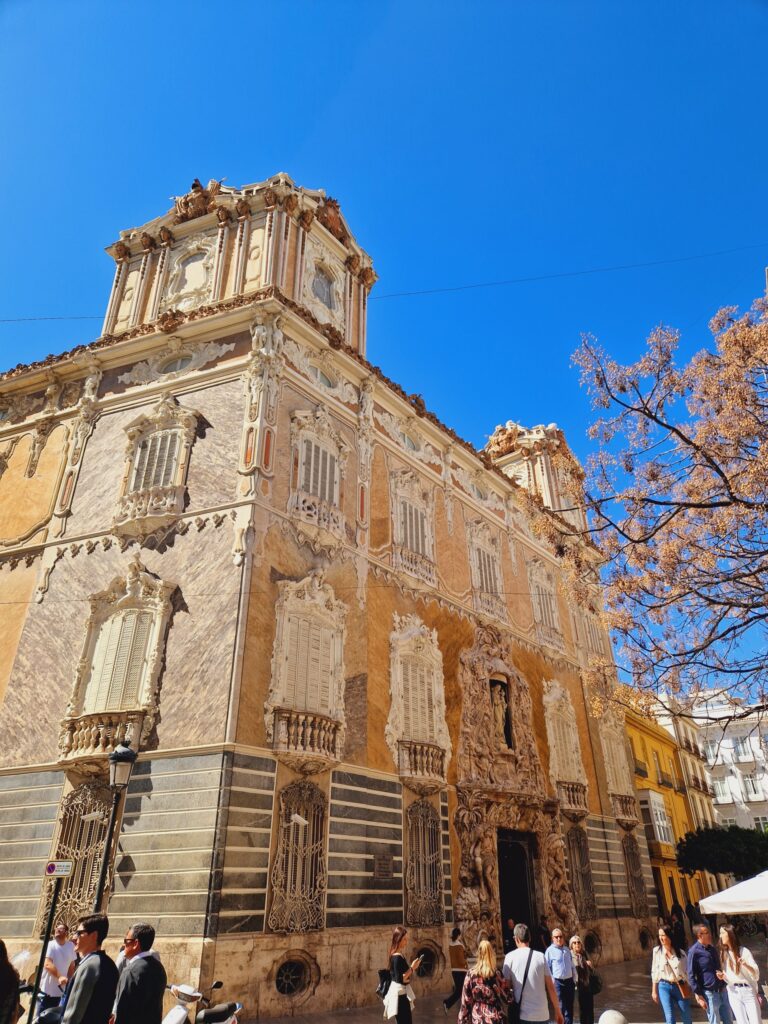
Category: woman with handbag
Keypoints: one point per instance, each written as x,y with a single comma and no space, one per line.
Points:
485,996
399,1000
669,978
584,983
10,1008
741,974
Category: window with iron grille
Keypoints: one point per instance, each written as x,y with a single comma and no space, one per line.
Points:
424,880
638,895
580,869
299,871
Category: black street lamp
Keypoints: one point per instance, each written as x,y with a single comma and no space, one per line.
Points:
121,762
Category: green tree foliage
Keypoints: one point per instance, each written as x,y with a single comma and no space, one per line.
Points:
742,852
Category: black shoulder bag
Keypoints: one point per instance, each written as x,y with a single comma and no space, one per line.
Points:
514,1005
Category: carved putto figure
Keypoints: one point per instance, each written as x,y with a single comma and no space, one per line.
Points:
197,202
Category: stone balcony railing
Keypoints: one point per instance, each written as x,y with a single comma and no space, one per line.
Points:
665,779
422,766
573,799
491,604
86,740
414,564
142,512
641,768
625,809
313,510
550,636
305,740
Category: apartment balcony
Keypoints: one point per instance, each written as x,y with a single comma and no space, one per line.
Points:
306,741
140,513
414,564
680,786
491,605
625,810
86,740
661,850
664,779
641,768
573,799
421,766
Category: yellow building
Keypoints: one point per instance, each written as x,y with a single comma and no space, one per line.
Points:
665,807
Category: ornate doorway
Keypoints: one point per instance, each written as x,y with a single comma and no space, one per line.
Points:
517,896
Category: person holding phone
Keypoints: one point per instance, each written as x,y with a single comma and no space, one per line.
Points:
399,1000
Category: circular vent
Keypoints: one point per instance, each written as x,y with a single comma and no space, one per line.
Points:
292,977
427,966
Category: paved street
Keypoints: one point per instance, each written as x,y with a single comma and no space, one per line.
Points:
627,988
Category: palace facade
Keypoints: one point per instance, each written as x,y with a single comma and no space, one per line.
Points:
325,622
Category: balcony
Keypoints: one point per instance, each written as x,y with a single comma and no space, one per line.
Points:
86,740
573,799
306,741
661,850
624,810
664,779
491,605
414,564
421,766
323,515
140,513
680,786
641,768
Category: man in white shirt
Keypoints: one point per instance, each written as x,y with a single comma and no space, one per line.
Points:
538,983
59,965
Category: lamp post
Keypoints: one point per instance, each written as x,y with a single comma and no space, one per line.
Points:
121,762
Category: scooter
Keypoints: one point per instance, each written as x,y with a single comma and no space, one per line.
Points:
186,997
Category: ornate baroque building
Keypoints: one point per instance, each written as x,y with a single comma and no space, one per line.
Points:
322,619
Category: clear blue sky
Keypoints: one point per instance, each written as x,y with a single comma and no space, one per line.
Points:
466,142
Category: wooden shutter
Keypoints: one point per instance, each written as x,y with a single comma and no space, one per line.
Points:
156,460
309,665
119,662
418,693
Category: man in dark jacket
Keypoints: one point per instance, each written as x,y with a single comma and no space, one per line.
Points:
94,982
142,983
703,969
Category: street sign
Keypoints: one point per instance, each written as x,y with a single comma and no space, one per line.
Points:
58,868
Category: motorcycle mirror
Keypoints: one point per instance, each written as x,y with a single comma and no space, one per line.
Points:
217,984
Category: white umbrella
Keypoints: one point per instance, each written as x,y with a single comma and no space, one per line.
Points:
748,897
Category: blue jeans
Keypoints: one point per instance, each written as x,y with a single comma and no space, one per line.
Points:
566,990
718,1002
670,997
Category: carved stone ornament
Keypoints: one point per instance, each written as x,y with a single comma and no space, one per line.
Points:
190,274
14,408
307,728
87,735
319,365
166,435
329,215
153,369
197,202
404,432
421,759
305,219
320,267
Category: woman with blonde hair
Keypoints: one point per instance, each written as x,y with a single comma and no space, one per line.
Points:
485,996
741,974
583,980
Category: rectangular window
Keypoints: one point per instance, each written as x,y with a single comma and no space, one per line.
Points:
155,461
309,668
721,789
741,746
119,662
752,785
319,473
545,603
761,822
413,528
486,571
419,699
661,824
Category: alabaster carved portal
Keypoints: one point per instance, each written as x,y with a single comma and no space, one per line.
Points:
502,787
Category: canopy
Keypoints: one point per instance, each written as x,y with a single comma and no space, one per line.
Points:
748,897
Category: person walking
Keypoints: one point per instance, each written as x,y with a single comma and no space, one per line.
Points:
741,976
526,970
668,974
543,934
678,931
485,994
583,981
560,964
703,967
59,967
141,985
94,983
457,956
399,1000
10,1008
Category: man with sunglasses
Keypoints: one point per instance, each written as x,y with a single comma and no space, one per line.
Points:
142,982
95,982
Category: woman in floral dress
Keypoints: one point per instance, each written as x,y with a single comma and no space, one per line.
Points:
486,994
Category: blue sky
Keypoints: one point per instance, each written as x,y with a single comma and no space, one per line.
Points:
466,142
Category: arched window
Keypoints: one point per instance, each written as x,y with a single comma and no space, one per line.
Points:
319,456
80,837
299,871
580,869
638,895
322,286
157,457
424,873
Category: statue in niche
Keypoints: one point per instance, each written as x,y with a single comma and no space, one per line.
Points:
500,704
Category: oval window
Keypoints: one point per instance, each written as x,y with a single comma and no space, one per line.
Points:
409,442
292,977
479,493
321,377
175,365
